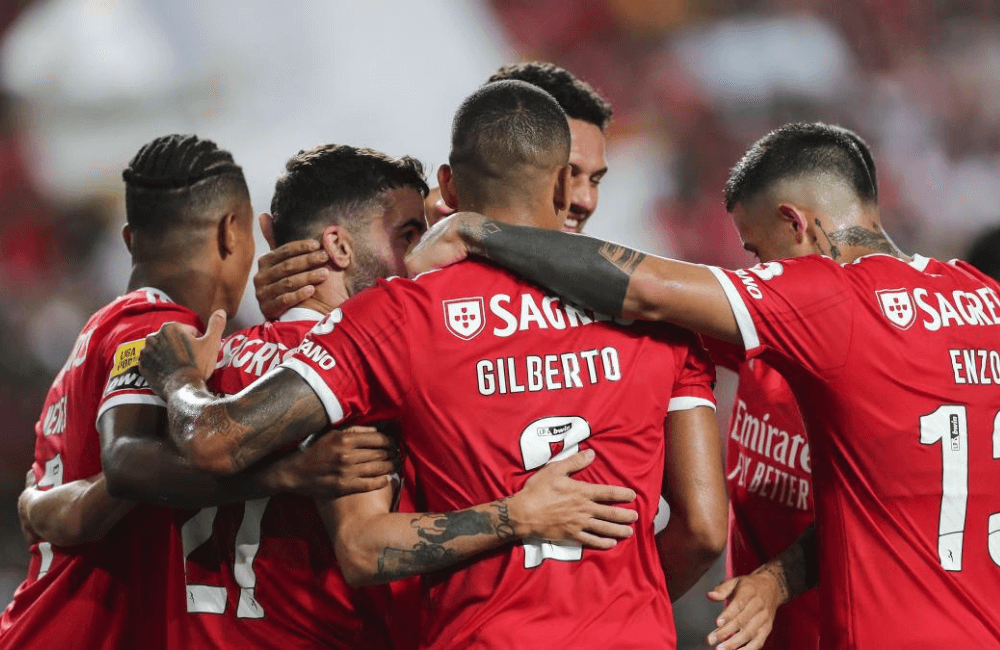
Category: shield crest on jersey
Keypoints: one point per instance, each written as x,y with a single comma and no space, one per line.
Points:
464,317
897,305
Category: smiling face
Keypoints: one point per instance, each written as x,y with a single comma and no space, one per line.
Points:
589,165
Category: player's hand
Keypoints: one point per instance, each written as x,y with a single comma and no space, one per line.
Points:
287,276
444,244
339,462
23,502
176,347
553,506
747,619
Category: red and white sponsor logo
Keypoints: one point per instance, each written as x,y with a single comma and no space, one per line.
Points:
897,305
464,317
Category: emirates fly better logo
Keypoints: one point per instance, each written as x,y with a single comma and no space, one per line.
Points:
464,317
897,305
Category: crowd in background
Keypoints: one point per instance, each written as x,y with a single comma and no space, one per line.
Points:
692,84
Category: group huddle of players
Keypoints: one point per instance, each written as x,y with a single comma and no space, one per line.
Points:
188,490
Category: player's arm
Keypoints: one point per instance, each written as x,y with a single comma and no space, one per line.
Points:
754,599
225,435
694,486
603,276
374,545
74,513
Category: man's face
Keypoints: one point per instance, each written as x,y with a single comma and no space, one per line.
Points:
765,234
388,237
588,164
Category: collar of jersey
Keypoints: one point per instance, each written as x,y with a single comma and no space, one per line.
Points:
158,292
301,313
919,262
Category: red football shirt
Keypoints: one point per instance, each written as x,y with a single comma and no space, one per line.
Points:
895,366
126,590
768,473
263,573
491,379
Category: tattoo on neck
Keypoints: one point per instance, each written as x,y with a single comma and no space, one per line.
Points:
623,258
505,530
859,236
834,251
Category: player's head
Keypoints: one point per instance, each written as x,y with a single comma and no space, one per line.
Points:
984,254
509,155
589,116
186,204
365,207
799,183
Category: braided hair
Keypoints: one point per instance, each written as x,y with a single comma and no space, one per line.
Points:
175,180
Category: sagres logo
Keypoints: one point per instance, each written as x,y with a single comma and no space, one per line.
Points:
464,317
897,305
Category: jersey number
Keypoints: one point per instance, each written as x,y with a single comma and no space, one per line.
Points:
53,477
538,441
949,425
210,599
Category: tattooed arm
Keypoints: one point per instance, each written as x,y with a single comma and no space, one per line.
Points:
603,276
374,545
754,599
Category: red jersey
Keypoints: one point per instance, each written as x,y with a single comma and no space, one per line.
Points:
895,367
768,473
491,379
263,573
126,590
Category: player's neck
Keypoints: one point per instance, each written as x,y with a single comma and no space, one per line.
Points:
329,294
187,286
523,214
846,242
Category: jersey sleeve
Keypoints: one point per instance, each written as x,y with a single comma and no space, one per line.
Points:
357,359
119,355
695,381
723,353
801,309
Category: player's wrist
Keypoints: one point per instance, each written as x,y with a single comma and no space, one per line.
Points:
182,377
514,517
773,575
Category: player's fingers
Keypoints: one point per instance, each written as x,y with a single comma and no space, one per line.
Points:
373,469
368,440
745,635
290,266
609,493
358,485
608,529
275,306
593,541
359,456
216,325
291,284
723,590
732,618
574,463
291,250
613,514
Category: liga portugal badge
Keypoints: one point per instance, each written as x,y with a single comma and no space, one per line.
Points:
464,317
897,306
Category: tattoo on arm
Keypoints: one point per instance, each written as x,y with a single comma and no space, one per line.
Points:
623,258
438,530
795,570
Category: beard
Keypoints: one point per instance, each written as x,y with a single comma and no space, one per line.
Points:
368,267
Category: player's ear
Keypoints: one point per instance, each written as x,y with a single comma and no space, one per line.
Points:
446,182
794,220
339,247
127,236
561,199
228,234
266,223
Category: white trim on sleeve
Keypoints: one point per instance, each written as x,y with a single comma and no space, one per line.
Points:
132,398
687,403
743,318
330,402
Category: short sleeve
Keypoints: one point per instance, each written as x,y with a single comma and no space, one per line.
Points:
723,353
357,359
695,381
801,309
119,355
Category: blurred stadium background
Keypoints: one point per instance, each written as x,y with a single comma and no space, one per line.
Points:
83,83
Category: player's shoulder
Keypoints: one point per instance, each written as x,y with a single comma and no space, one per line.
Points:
149,304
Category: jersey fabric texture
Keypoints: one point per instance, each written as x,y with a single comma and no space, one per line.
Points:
768,475
491,379
126,590
263,573
895,366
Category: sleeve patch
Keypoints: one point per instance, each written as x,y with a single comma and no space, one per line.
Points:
127,356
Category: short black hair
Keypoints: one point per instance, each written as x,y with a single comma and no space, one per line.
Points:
576,97
501,131
799,149
336,183
173,180
984,254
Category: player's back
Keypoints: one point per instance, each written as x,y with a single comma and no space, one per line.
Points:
123,591
903,407
492,379
263,573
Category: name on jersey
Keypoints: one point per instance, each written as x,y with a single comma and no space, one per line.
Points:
466,318
938,310
549,372
975,366
253,356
